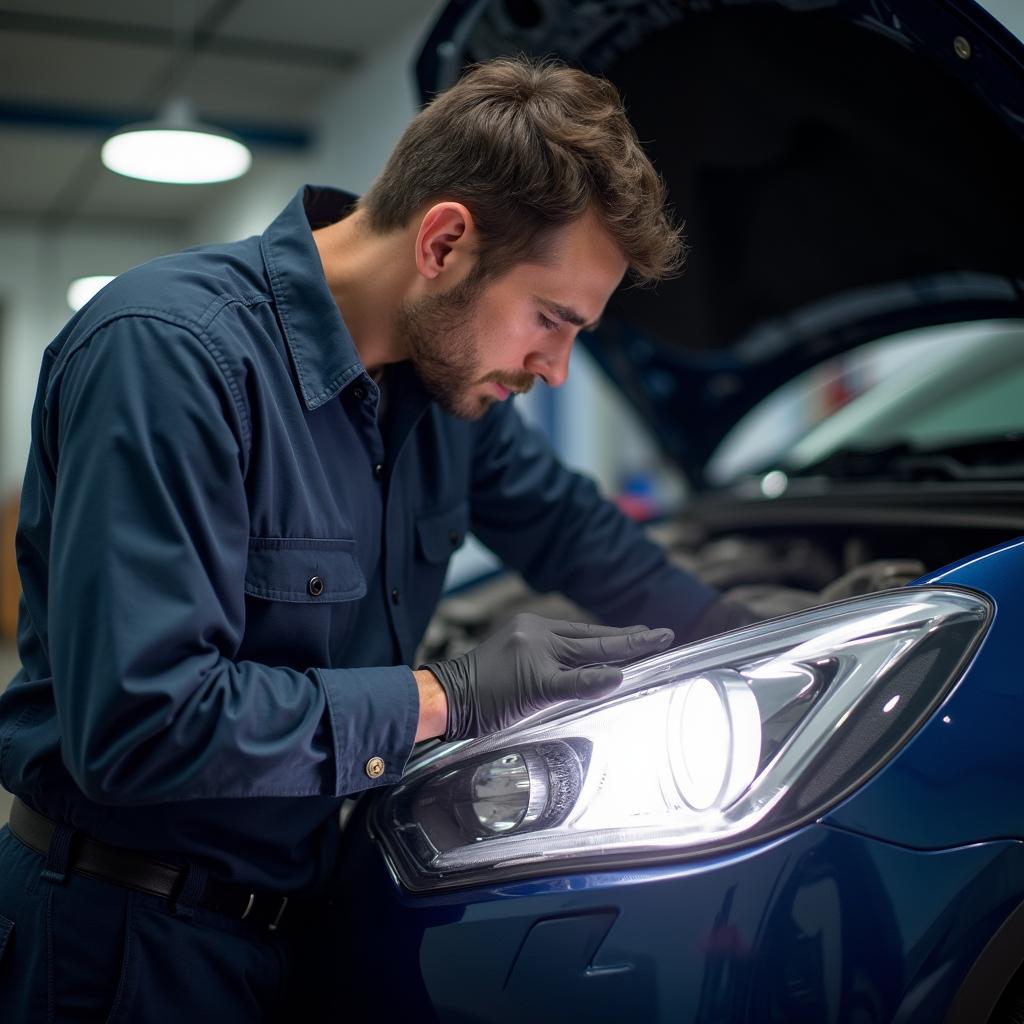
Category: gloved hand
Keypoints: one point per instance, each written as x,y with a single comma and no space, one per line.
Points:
532,662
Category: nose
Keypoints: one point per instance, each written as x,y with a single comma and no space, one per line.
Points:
552,366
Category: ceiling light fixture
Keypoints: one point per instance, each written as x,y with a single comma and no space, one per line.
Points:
83,289
176,148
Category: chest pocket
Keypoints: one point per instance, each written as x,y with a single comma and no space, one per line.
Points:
303,570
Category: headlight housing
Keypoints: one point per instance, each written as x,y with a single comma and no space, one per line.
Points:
716,744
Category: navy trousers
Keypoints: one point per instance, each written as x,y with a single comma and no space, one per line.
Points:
79,949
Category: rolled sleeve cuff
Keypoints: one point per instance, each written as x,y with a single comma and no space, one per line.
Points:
374,713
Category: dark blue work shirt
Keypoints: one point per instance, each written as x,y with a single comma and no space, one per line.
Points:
226,570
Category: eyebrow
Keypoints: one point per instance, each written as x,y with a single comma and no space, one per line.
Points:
568,314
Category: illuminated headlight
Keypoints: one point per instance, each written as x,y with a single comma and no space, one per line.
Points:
716,744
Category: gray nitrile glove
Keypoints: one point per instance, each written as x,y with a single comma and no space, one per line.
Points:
532,662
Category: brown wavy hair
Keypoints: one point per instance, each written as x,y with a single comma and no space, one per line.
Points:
528,146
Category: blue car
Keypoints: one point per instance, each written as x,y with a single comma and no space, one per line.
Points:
818,817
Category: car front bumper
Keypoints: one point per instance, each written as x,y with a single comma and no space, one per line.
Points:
820,925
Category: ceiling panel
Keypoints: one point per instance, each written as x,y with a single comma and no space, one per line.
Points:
151,13
111,78
349,26
233,88
67,67
59,71
35,167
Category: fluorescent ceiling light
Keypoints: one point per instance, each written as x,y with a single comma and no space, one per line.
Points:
176,148
82,290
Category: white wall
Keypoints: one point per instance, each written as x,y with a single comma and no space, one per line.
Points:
359,123
36,267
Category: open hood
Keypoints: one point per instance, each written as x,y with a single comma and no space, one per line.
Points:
846,169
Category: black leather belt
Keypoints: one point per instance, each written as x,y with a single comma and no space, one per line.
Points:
136,871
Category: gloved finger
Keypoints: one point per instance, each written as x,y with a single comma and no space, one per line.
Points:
584,683
586,629
599,650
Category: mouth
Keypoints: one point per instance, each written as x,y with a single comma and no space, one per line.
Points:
502,391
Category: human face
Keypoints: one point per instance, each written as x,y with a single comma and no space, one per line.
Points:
478,343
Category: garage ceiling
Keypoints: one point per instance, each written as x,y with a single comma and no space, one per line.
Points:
73,70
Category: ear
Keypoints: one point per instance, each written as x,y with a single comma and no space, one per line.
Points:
445,241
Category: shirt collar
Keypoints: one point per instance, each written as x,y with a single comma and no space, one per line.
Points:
322,350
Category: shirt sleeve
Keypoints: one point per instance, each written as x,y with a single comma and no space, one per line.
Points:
148,436
552,525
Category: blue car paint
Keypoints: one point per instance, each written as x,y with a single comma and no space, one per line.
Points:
876,913
823,925
958,780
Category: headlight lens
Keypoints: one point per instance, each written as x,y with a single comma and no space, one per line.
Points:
721,742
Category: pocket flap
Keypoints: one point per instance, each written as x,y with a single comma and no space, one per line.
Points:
441,533
303,570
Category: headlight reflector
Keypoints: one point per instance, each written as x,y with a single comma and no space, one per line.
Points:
503,793
714,739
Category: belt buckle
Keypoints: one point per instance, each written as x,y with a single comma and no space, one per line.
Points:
277,917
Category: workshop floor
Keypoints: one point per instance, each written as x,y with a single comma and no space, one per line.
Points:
8,666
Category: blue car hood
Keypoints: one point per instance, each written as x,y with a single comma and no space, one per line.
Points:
845,168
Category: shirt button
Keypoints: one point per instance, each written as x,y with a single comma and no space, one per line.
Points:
395,596
378,470
315,586
358,394
375,767
454,537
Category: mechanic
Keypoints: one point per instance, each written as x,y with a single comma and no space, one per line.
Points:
250,464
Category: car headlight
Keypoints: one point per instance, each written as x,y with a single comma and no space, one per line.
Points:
718,743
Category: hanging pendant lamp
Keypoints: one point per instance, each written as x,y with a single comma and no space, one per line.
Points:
176,148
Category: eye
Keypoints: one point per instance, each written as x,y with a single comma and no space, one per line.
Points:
547,323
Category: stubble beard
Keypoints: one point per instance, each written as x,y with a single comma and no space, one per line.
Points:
437,332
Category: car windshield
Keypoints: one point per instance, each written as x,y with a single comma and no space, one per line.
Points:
953,390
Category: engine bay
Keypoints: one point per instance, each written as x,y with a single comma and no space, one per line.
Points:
770,568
